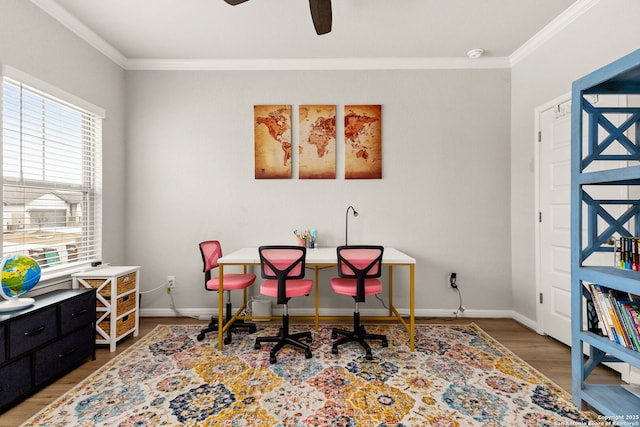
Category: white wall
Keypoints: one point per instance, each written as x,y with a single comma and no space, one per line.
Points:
32,42
606,32
444,196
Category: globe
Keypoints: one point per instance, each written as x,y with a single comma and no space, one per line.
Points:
19,275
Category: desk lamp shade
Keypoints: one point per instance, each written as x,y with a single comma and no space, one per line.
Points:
20,274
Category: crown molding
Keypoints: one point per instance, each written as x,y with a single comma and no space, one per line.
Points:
563,20
558,24
325,64
85,33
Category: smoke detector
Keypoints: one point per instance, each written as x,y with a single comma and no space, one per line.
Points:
475,53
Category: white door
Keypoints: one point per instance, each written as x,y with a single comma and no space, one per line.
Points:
554,139
554,196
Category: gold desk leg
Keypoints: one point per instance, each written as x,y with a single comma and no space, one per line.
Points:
220,307
411,307
317,269
390,289
244,293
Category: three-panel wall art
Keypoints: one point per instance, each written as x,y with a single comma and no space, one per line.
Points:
316,143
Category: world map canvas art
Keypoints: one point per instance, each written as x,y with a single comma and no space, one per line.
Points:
272,141
363,142
316,150
317,145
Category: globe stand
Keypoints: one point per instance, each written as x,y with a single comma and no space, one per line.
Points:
13,304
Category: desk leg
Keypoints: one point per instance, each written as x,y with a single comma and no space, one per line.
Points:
220,307
244,293
390,290
317,269
411,307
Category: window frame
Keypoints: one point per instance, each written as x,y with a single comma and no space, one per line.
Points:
56,273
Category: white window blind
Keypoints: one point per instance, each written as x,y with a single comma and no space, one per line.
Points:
51,179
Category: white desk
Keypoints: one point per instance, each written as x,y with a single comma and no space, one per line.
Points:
317,259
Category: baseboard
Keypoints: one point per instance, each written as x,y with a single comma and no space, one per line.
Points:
529,323
204,314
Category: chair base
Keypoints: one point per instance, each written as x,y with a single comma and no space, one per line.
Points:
237,325
285,338
358,335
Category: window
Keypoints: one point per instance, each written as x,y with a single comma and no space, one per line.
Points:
51,178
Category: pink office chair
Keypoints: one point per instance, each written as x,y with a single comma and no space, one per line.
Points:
283,267
359,268
211,251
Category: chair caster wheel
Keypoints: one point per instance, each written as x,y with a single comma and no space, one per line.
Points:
227,340
309,339
252,329
334,350
307,354
256,346
272,359
200,336
385,343
369,356
334,335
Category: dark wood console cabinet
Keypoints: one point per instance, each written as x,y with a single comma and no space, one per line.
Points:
41,343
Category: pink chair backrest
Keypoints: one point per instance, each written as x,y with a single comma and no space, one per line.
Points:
360,262
278,259
211,251
362,257
282,263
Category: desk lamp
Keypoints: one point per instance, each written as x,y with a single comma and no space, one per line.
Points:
346,223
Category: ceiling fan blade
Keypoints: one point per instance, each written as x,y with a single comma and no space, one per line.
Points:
235,2
321,15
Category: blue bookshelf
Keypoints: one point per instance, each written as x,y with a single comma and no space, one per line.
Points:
599,145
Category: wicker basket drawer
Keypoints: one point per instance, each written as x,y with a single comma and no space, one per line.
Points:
123,304
124,283
123,325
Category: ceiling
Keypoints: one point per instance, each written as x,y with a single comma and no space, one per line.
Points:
158,33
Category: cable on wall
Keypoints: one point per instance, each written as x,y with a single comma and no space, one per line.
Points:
460,308
173,303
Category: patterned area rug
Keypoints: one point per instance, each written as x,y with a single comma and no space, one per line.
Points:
459,376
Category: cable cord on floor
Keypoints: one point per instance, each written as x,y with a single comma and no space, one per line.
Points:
173,303
177,311
248,309
460,308
381,301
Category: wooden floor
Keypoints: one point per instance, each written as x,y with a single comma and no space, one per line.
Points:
548,356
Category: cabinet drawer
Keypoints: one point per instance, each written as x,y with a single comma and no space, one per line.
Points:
123,304
15,380
27,333
124,283
58,357
77,312
3,356
123,325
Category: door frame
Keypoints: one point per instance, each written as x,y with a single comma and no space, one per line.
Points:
537,147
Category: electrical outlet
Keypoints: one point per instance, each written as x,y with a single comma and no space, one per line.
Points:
452,281
171,281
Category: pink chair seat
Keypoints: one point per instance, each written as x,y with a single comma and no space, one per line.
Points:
295,288
231,282
348,286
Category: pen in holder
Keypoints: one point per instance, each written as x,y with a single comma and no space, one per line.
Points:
307,238
312,238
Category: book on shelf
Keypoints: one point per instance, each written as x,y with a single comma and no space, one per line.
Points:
603,322
618,314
